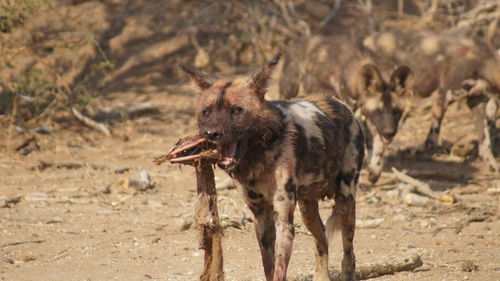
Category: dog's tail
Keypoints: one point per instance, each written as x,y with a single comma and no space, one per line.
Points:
332,224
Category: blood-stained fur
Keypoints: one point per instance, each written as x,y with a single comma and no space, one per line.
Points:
282,153
378,89
444,63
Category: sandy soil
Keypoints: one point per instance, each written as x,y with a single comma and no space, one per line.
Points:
91,223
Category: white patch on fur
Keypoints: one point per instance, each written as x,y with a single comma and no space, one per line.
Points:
430,45
387,42
308,179
322,54
373,104
303,113
369,43
346,190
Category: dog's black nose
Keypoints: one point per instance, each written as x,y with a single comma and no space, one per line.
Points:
389,134
212,135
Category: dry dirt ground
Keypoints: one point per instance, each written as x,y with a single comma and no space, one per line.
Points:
91,223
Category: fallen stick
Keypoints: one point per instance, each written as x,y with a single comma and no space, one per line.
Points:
42,165
423,188
91,123
23,242
373,270
389,267
420,187
198,152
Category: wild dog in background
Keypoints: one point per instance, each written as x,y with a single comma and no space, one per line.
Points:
282,153
444,64
379,89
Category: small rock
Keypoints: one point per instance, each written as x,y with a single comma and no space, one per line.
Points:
54,220
106,189
493,190
447,199
185,225
468,266
369,223
154,203
413,199
411,246
7,202
106,212
36,196
28,258
400,217
425,224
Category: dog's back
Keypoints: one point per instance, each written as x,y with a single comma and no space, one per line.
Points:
328,144
340,66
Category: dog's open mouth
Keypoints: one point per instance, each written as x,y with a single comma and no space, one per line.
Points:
386,139
230,155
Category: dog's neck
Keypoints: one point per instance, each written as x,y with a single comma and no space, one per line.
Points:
262,148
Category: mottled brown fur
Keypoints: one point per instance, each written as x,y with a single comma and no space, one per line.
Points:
282,153
442,62
339,66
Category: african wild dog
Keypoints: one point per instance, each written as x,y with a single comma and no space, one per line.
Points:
445,63
378,89
283,152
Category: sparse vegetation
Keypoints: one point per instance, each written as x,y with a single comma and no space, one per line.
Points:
15,12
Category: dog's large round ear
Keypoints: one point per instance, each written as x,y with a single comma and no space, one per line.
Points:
369,80
259,82
200,79
402,79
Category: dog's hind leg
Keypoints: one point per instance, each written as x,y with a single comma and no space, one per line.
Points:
438,110
346,208
266,233
312,220
484,112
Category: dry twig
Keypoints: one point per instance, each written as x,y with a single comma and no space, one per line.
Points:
22,242
421,187
91,123
390,266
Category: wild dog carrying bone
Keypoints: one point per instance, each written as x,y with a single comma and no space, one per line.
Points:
282,153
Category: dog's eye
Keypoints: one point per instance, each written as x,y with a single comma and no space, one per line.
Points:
205,112
236,110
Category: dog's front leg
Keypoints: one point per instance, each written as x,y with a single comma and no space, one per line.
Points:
265,232
284,201
377,156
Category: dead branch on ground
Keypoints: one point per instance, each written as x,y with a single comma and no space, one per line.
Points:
373,270
42,165
389,267
22,242
414,185
89,122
